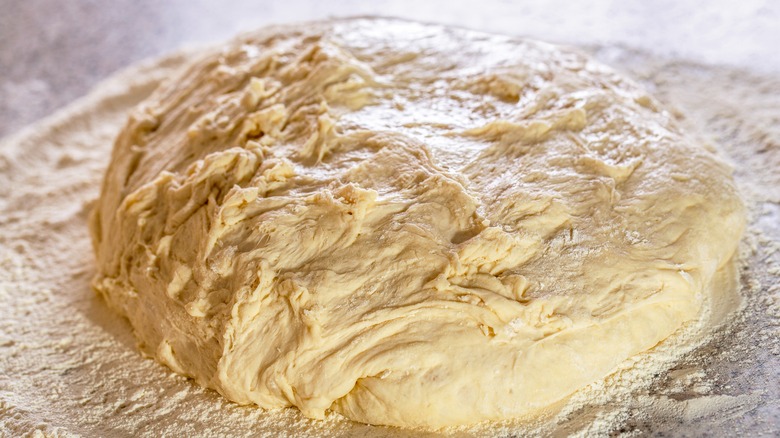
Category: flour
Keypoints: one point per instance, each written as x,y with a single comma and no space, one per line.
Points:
70,366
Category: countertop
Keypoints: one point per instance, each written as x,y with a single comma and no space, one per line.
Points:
53,52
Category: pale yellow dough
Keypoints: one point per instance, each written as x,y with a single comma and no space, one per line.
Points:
407,224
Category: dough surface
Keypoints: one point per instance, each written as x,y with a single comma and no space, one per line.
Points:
407,224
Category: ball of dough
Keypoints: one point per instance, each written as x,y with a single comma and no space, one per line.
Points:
407,224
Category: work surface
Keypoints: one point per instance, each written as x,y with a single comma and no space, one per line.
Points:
717,67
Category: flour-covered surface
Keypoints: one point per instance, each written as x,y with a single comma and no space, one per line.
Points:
70,366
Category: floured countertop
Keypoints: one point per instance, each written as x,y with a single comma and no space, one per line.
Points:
70,365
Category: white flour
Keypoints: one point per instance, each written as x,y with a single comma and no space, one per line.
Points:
70,367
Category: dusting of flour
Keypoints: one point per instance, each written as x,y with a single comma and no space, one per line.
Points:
70,366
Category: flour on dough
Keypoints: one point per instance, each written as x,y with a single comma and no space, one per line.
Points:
407,224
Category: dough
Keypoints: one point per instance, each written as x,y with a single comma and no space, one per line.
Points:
407,224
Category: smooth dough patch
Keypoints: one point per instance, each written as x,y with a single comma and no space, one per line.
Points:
408,224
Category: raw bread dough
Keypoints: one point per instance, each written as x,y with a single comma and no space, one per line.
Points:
408,224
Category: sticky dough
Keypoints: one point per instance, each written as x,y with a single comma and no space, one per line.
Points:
407,224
